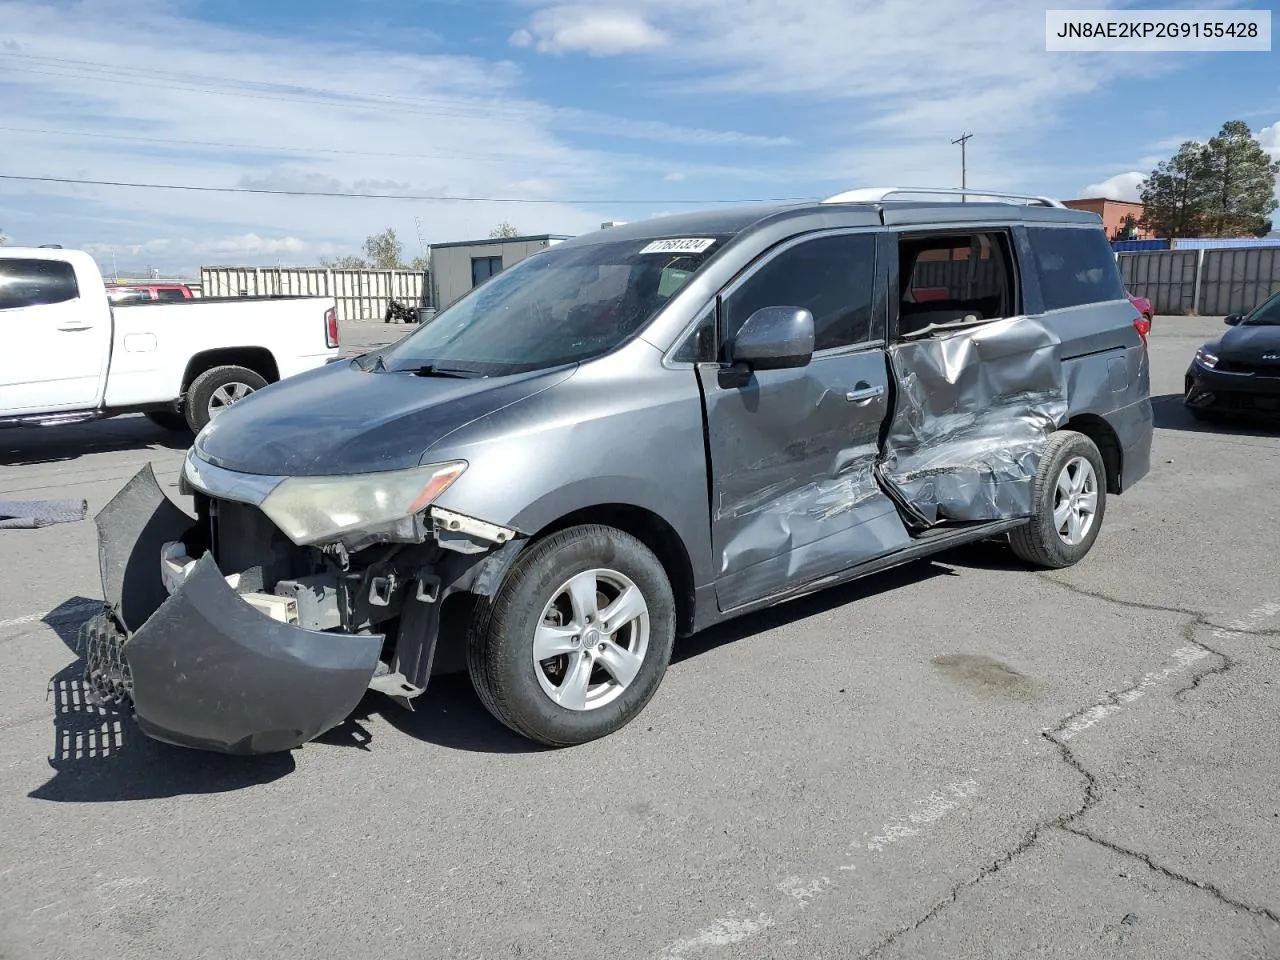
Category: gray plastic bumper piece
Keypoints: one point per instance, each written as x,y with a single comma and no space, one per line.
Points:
205,669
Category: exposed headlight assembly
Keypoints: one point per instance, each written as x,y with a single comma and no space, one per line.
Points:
318,510
1206,359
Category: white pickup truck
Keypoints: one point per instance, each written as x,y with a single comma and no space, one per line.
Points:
68,354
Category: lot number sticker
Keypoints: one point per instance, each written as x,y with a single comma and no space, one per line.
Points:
680,245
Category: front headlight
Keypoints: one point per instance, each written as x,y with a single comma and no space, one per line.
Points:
1206,359
312,510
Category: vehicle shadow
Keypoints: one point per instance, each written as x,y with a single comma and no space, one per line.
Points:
100,756
31,446
1170,414
451,715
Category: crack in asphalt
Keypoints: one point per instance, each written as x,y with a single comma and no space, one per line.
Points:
1198,621
1218,670
1088,799
1172,874
1201,619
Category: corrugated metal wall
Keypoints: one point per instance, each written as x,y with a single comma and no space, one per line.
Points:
1235,281
359,294
1165,277
1230,281
954,274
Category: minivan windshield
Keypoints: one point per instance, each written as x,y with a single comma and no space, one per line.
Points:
564,305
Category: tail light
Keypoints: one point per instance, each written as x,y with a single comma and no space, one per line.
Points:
1143,326
331,327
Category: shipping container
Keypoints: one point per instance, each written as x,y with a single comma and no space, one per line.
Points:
1135,246
358,294
1223,243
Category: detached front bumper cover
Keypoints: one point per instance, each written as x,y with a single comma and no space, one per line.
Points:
202,667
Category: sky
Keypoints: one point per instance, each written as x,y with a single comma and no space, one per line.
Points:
583,112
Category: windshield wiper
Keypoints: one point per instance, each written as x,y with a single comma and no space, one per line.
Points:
431,370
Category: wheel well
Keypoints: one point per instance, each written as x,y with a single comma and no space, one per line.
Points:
257,359
1108,444
656,534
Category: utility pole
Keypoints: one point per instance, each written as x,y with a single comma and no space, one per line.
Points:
963,140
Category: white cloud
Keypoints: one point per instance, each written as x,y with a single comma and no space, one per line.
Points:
1123,186
218,107
597,31
1269,137
675,176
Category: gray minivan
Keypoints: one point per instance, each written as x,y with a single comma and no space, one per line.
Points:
620,441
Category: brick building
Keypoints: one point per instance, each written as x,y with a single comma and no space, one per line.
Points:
1113,213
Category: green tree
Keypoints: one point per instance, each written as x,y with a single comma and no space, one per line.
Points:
383,250
1174,196
503,230
344,263
1240,184
1223,188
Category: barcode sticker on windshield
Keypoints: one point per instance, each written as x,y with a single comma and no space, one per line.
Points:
680,245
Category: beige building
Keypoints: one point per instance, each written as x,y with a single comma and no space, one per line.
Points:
457,268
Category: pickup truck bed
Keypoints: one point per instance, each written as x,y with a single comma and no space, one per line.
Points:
72,355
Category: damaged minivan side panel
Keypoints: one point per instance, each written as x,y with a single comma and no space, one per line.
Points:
974,411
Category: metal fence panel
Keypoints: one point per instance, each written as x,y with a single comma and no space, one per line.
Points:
1165,277
358,294
1236,281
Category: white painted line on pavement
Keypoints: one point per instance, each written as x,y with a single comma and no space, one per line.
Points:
70,612
1182,659
721,933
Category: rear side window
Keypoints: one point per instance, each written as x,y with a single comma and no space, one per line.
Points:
35,283
169,295
1076,266
831,277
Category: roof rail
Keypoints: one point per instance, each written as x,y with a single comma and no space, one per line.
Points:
877,194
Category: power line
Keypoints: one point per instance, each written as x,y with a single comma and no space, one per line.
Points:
264,148
382,196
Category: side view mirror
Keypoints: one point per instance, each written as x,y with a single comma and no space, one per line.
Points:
1233,319
774,338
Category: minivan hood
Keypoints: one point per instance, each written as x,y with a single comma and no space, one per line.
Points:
341,420
1248,343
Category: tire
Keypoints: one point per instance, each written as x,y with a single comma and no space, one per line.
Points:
168,420
207,394
1039,542
539,700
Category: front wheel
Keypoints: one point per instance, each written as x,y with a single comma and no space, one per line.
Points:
1069,499
215,390
577,639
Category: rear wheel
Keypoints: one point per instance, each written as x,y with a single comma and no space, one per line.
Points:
577,639
215,390
1069,500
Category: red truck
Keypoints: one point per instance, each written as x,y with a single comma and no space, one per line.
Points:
133,292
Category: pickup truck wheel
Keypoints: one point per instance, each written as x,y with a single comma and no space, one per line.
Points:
1069,500
215,390
577,639
168,420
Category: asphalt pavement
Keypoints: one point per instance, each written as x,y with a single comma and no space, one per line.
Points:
959,758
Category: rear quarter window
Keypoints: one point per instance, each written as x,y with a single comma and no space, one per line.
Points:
35,283
1076,266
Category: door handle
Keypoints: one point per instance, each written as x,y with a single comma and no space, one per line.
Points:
864,395
77,326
